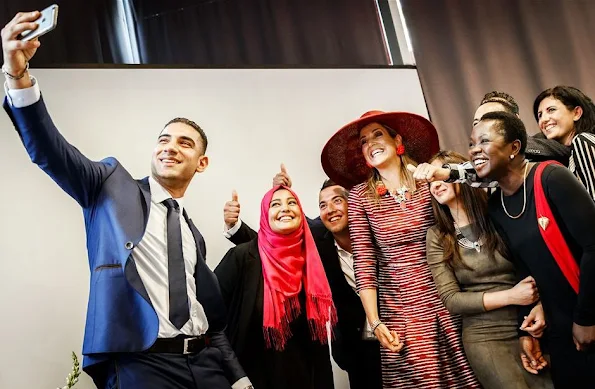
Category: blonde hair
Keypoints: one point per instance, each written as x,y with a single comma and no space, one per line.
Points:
405,175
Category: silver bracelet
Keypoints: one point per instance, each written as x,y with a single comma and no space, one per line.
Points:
16,77
375,324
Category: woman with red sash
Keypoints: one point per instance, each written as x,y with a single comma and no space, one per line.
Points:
548,223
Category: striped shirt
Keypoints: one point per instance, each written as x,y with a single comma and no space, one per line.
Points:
582,161
389,252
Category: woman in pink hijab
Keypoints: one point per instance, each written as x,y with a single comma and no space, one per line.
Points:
279,300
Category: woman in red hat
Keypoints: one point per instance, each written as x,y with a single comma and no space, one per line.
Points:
389,215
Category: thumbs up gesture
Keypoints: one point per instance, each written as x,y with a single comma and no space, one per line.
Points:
231,210
282,178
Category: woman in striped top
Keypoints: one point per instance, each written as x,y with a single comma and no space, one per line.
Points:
567,115
389,216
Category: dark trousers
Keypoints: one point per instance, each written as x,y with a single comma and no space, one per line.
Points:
172,371
366,372
571,369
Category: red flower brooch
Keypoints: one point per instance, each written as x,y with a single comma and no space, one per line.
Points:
400,195
381,189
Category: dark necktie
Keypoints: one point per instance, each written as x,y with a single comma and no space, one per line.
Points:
179,310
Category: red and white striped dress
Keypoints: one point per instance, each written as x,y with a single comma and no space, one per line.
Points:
389,247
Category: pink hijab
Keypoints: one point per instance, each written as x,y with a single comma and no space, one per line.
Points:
288,262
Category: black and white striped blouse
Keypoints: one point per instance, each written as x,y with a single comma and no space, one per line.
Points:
582,160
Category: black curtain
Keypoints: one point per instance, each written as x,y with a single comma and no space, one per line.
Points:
259,32
85,33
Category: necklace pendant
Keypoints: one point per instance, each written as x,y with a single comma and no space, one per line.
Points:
524,200
403,205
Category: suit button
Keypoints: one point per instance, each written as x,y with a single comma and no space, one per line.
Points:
129,245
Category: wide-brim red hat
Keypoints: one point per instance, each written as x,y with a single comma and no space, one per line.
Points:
342,157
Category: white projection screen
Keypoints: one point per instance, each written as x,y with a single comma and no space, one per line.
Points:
255,119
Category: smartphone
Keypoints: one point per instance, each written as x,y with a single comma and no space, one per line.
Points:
46,23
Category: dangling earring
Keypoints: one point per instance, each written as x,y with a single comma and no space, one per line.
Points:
400,149
511,156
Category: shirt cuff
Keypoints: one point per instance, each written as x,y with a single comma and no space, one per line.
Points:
228,233
21,98
457,173
242,383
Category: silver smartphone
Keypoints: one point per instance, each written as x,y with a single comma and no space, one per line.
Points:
46,23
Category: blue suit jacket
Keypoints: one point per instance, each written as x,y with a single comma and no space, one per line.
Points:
120,316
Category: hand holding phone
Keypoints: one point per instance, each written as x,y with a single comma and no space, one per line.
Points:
46,22
17,52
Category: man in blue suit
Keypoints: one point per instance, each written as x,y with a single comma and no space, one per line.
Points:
155,316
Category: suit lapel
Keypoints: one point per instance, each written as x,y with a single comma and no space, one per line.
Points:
198,239
329,255
130,269
334,273
146,191
207,286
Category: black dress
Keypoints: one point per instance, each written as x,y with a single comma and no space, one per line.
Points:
575,215
303,364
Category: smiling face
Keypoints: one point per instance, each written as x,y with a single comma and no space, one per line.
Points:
556,121
444,193
178,155
285,215
332,203
378,146
488,151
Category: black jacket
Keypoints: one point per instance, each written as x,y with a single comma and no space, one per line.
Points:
242,287
539,148
350,312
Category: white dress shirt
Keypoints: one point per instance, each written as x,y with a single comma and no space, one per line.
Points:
231,232
151,253
21,98
151,261
346,262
